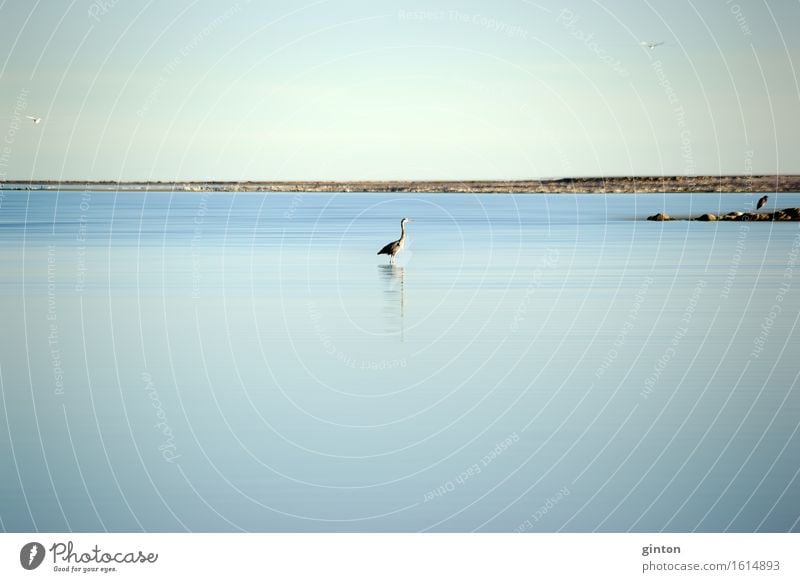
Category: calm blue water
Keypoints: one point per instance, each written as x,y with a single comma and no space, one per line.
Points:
225,362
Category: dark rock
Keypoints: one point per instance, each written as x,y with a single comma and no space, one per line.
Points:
785,215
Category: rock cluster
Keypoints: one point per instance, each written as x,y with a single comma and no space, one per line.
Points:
787,214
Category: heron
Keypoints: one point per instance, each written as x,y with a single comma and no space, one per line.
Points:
762,201
651,44
34,119
395,247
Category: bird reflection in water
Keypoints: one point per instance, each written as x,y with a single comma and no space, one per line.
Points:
395,294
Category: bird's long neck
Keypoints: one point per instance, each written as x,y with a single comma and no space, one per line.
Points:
402,230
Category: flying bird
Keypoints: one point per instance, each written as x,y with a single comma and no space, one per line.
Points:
34,119
651,44
762,201
395,247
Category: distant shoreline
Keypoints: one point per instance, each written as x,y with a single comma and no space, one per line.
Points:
608,185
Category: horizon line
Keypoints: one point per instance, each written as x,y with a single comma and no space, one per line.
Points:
751,176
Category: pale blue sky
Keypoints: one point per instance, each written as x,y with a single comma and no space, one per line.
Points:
435,89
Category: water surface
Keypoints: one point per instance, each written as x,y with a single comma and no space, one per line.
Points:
228,361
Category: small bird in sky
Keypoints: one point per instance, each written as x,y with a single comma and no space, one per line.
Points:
34,119
761,202
651,44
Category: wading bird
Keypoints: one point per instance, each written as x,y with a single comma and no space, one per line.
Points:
34,119
395,247
762,201
650,44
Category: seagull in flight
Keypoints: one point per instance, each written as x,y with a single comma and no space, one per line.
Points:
651,44
34,119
